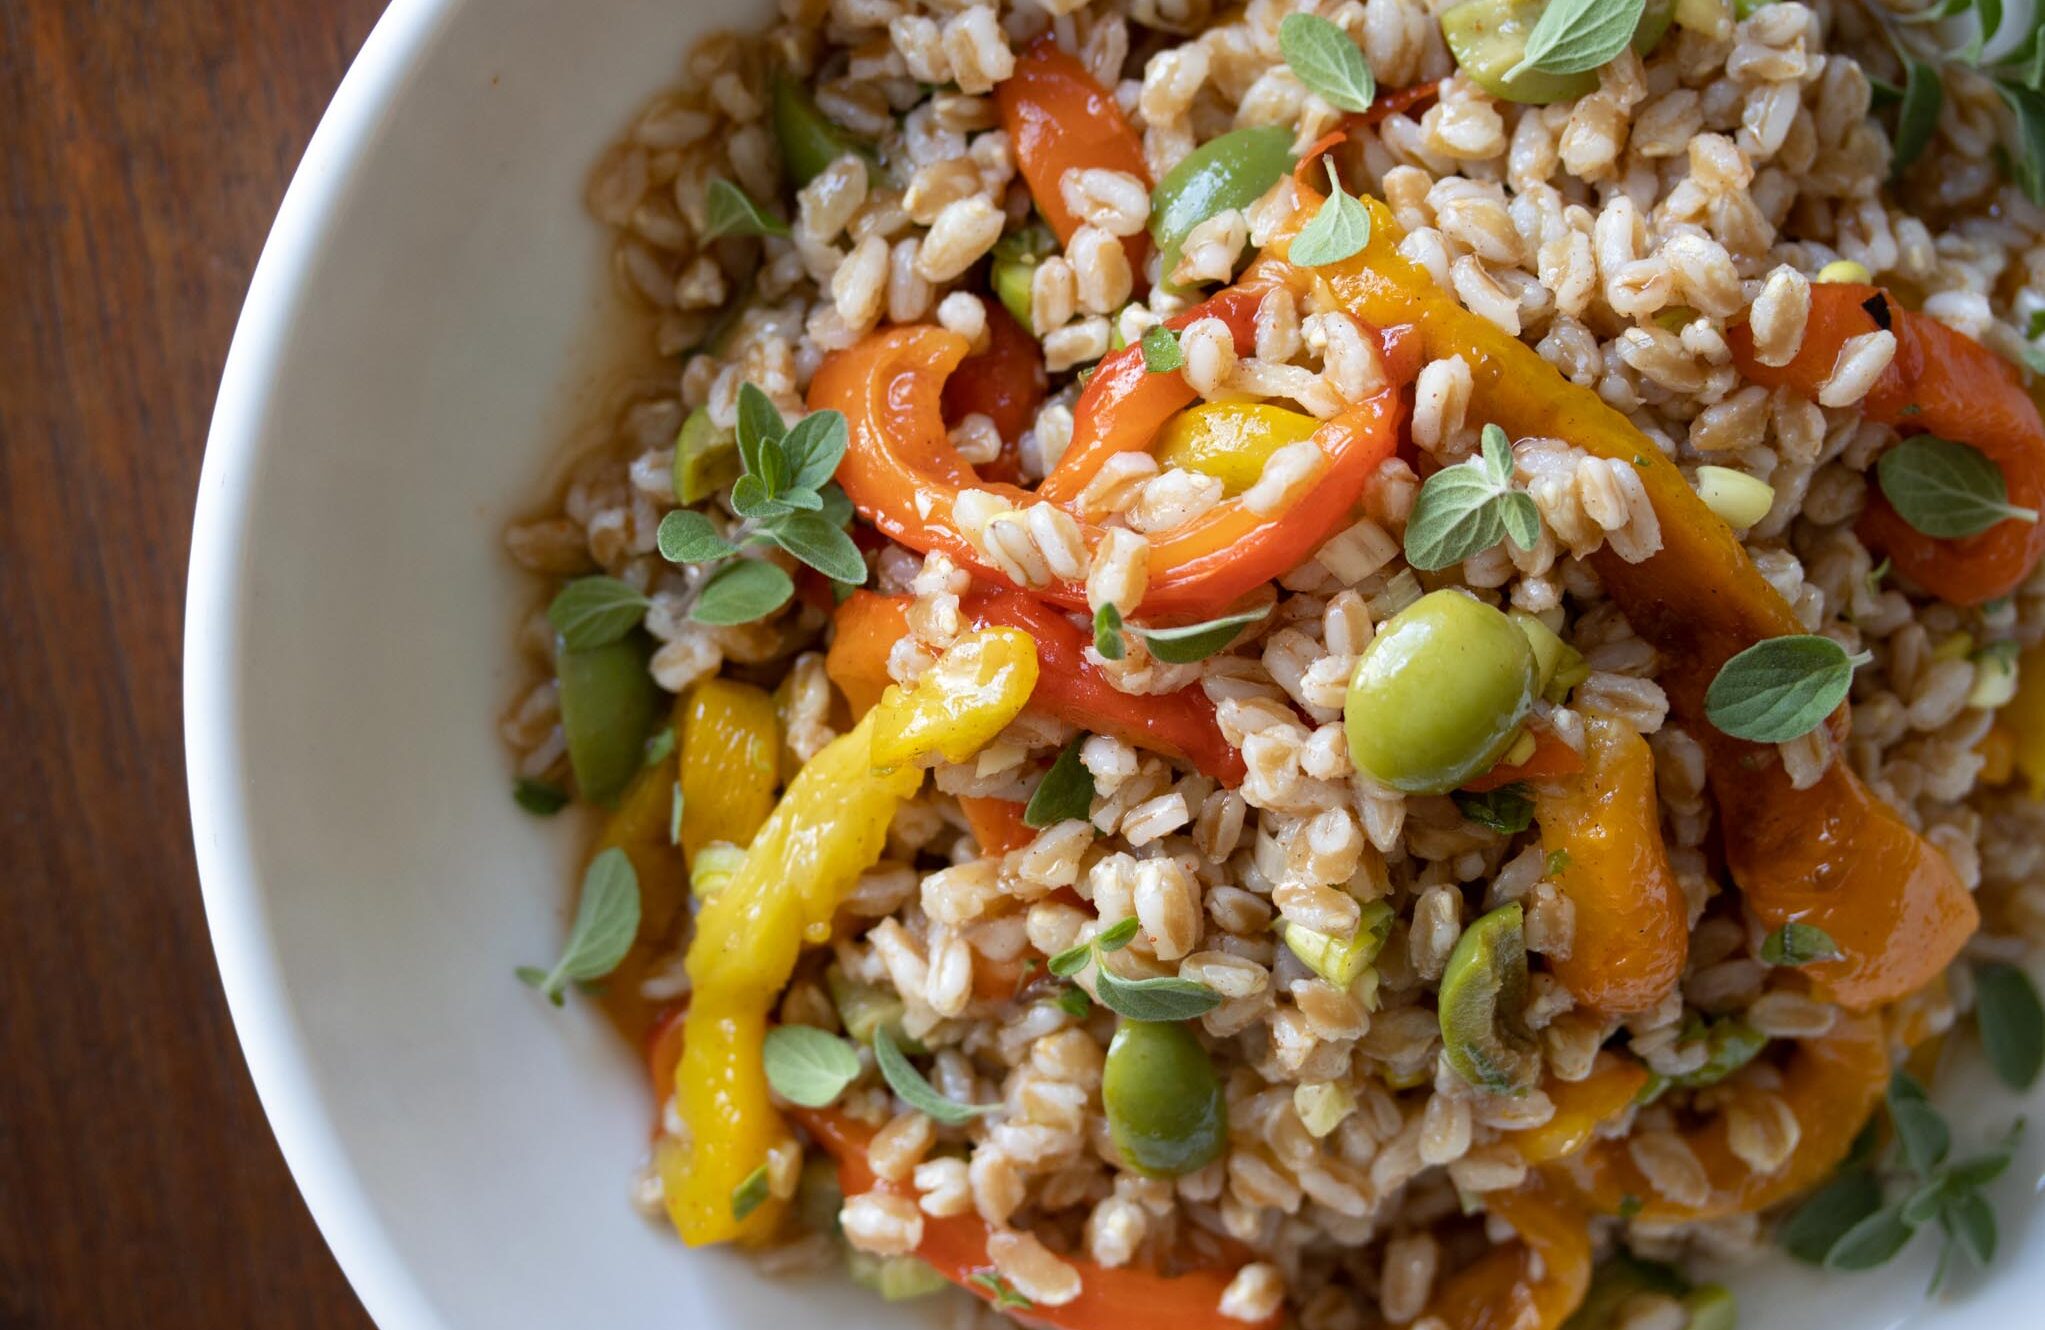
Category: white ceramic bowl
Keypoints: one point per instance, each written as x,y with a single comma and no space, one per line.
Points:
423,331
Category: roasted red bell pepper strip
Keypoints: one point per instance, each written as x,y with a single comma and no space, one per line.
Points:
1945,383
1059,119
1006,383
997,824
1833,854
904,476
1110,1298
1177,725
1124,405
1551,758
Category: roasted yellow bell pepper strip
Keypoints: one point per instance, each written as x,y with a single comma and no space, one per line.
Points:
2025,717
975,689
730,743
829,828
1231,441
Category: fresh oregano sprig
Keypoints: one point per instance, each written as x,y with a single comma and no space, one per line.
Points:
2011,1019
1944,489
730,211
1165,998
786,498
596,611
1339,228
1574,36
1865,1215
1798,944
1464,509
1066,792
1781,688
1327,61
913,1090
606,923
808,1066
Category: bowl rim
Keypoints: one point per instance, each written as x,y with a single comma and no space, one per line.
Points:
237,915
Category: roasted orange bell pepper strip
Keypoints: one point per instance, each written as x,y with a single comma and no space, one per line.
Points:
904,476
827,829
1832,850
1006,383
1532,1284
996,824
1632,922
1551,758
1060,119
1948,384
1179,725
1110,1298
1581,1107
863,630
1831,1084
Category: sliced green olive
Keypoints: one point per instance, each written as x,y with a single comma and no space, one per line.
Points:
1558,666
895,1278
1617,1281
1232,171
608,704
1016,256
1341,961
706,458
1438,696
1164,1103
809,141
863,1007
1489,38
1729,1045
818,1197
1482,1005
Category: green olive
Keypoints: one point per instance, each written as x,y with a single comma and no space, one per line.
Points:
1489,37
1558,666
1729,1044
1163,1099
895,1278
1482,1005
706,458
608,704
1439,694
809,142
1232,171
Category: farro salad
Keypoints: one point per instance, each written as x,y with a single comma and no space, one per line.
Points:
1364,663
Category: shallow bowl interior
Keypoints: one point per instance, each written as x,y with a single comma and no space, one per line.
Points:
431,319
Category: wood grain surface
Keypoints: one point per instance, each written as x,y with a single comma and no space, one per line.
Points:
144,145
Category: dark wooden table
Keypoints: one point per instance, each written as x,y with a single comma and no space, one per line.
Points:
144,145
